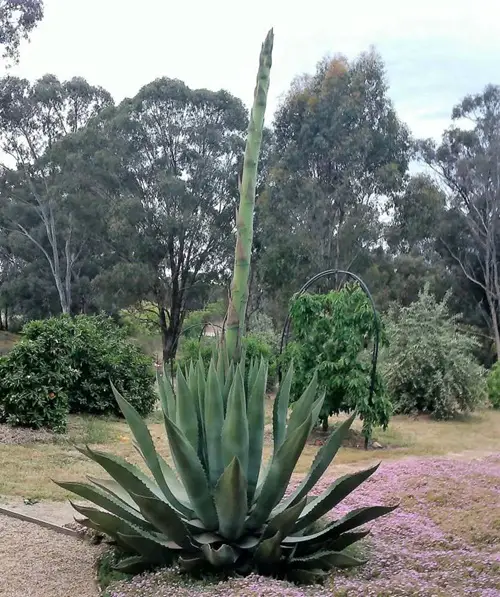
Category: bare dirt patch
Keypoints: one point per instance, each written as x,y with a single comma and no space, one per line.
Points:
21,435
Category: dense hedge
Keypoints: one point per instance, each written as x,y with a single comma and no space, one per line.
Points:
66,364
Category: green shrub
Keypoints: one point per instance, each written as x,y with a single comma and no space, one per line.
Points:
331,336
195,320
429,365
78,357
33,386
494,385
192,348
259,345
256,345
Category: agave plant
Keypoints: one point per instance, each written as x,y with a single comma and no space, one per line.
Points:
220,505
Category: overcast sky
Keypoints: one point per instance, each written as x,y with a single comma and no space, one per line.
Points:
435,51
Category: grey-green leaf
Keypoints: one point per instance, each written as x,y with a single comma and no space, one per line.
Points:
333,496
256,421
192,475
280,409
214,421
231,500
235,429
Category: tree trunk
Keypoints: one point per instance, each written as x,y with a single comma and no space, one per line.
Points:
238,299
494,325
170,331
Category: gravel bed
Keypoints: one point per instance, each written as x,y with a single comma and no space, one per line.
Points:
37,562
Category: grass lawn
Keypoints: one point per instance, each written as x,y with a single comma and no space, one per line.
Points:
27,469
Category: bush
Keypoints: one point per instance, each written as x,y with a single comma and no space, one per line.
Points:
74,358
259,345
195,321
429,365
33,390
331,335
494,385
256,345
191,349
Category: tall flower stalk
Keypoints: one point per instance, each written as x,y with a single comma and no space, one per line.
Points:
235,324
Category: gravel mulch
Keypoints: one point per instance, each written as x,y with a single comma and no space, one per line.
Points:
37,562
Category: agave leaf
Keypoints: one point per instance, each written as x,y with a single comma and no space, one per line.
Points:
224,555
338,544
256,420
147,449
316,409
214,420
269,550
324,560
206,538
104,500
321,462
133,565
247,542
303,406
130,477
197,386
114,489
167,394
193,476
148,547
109,523
190,563
250,378
280,410
175,486
186,416
279,474
165,519
285,521
332,496
235,428
352,520
227,384
231,500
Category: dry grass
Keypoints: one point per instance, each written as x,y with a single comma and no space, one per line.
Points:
27,469
7,341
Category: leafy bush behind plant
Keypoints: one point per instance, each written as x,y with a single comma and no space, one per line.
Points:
255,345
429,365
34,379
75,359
331,336
494,385
195,320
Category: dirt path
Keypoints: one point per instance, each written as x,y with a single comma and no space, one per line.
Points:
37,562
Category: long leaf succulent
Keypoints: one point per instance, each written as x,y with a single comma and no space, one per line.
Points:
219,505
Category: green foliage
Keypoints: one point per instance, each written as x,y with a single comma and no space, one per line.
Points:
73,358
193,348
257,345
223,508
34,381
195,321
429,365
494,385
332,337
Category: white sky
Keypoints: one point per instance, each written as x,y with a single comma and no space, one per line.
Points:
436,51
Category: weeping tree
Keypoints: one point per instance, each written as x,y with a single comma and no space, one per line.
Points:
238,298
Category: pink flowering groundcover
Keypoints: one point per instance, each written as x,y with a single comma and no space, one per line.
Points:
443,540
